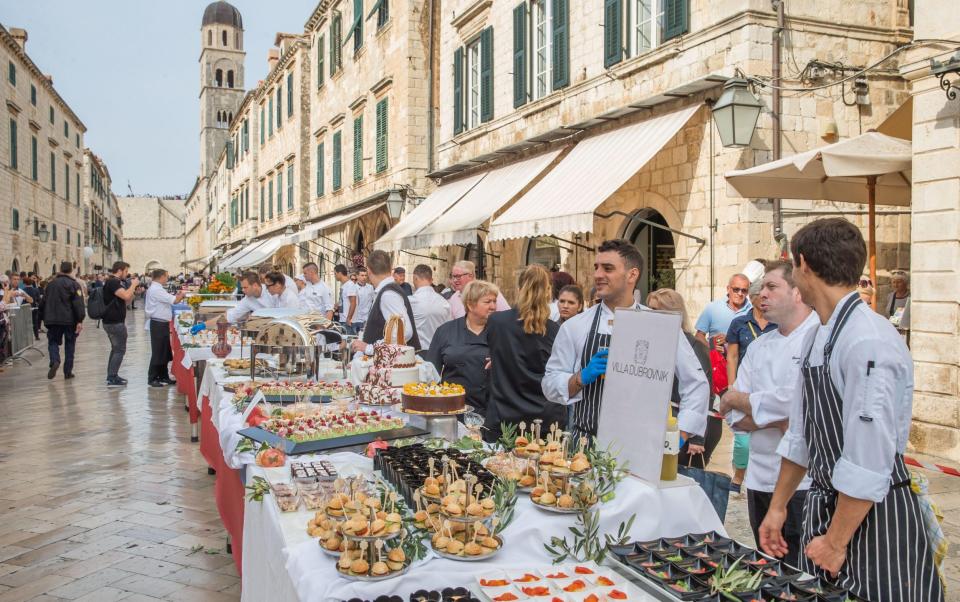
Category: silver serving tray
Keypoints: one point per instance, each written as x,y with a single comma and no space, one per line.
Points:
371,578
466,558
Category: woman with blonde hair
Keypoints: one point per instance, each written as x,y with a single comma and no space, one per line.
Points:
459,349
520,342
670,300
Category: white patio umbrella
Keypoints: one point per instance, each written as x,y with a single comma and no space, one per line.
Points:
872,168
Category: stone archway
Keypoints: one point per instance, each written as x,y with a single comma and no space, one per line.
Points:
659,248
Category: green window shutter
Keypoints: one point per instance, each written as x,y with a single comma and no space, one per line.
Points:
486,74
53,172
520,55
270,118
676,15
612,32
270,200
320,169
76,177
321,48
290,94
262,210
279,107
561,44
246,203
337,161
66,180
13,142
290,186
382,116
458,91
356,30
358,149
230,154
336,43
16,219
246,135
262,126
12,73
33,157
280,192
33,95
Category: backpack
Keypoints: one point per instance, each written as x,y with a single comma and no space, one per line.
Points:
96,308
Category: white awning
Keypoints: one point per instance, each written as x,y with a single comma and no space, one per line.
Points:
403,235
458,226
310,232
565,199
257,253
228,262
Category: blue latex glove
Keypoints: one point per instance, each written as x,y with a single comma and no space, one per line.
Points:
595,368
197,328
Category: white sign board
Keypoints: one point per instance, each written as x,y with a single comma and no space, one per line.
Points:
636,394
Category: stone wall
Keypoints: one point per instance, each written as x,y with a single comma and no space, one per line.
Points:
153,233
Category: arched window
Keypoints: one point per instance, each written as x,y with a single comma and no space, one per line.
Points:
209,37
236,40
218,77
223,36
230,78
230,119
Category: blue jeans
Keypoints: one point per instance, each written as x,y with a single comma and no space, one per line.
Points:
58,334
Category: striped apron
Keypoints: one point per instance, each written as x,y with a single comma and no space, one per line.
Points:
888,558
586,412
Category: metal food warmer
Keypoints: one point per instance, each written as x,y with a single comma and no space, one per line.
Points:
294,346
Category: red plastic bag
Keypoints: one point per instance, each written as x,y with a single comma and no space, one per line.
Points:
718,364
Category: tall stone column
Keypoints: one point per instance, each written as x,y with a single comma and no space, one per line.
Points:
935,233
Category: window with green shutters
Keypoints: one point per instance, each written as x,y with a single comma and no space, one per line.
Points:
246,202
320,169
270,117
358,149
262,204
279,107
486,74
458,91
280,191
473,82
561,43
357,29
520,55
34,160
290,94
13,143
382,135
53,231
66,179
612,32
290,186
33,95
15,219
336,43
263,137
382,9
66,129
246,135
321,48
12,73
270,200
337,161
676,15
76,195
53,172
52,119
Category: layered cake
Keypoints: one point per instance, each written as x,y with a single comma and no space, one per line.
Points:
433,398
393,367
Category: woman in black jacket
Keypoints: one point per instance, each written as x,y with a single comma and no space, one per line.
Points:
520,341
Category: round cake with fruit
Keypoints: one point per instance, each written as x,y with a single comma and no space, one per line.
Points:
433,398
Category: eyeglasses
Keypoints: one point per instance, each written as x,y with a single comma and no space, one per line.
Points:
741,291
458,276
865,282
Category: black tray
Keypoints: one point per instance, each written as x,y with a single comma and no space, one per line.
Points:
294,448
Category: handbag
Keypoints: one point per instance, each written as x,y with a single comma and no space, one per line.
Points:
715,484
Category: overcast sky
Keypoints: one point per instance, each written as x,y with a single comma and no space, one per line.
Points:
129,69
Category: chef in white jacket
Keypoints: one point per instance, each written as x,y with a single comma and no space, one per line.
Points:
255,296
285,296
578,359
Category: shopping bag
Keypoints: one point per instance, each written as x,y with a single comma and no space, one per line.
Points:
715,484
932,520
718,365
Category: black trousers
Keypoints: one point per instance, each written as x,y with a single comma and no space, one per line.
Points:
758,503
160,352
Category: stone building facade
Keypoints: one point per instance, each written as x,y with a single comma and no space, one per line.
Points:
935,232
578,80
102,221
41,153
153,233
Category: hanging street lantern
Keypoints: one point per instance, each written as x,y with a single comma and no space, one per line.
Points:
736,113
394,204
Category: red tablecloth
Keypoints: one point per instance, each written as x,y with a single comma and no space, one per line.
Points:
186,382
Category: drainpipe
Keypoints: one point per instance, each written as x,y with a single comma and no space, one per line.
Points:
776,108
430,73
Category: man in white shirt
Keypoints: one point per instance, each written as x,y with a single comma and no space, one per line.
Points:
158,305
849,426
463,273
365,296
348,295
266,269
316,296
430,310
760,399
255,296
283,295
390,301
579,355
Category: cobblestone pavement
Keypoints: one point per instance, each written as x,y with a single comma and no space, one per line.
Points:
104,496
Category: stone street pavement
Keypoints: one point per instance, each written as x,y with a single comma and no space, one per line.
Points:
104,496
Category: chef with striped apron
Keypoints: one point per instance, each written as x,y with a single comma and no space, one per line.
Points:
577,364
853,419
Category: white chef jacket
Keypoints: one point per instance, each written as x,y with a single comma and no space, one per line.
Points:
430,310
565,359
391,303
158,303
349,289
288,299
365,298
872,370
768,374
249,304
316,297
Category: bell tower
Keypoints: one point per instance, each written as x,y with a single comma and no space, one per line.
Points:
221,79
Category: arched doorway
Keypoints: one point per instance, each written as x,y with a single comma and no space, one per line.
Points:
658,248
475,252
15,266
36,268
545,251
